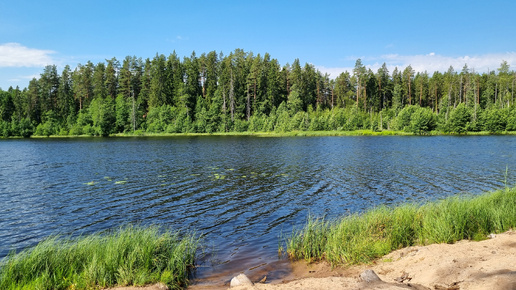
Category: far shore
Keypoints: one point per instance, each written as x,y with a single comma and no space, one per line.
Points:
280,134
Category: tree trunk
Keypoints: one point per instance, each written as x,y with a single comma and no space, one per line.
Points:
365,98
496,93
420,94
478,91
409,93
232,99
435,88
333,97
248,104
460,90
358,91
134,114
380,92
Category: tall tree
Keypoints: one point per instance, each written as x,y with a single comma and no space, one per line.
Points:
211,71
359,72
143,97
252,85
408,74
383,81
421,86
192,88
82,84
111,79
99,79
66,103
343,89
49,85
157,94
34,104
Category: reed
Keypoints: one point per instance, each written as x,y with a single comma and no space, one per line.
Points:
132,255
361,238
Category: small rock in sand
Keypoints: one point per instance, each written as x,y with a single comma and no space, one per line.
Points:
240,280
369,276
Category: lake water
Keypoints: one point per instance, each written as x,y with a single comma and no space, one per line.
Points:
243,193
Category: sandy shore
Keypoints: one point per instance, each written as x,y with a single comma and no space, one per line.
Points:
488,264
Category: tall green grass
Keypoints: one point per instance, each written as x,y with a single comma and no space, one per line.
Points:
361,238
132,255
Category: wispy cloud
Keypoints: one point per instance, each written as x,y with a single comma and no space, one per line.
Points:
24,78
177,39
16,55
430,62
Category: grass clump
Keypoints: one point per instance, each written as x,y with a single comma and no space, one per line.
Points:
132,255
361,238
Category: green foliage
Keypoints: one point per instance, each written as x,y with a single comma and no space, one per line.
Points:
102,111
243,91
283,119
257,123
354,121
495,120
240,125
294,102
511,119
49,125
422,121
363,238
133,255
25,128
459,119
122,123
403,120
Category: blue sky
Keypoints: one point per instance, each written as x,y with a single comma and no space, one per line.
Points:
331,35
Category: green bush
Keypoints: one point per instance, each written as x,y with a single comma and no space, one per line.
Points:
422,121
511,120
459,119
403,119
495,120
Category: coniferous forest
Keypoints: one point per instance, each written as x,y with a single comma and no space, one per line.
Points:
246,92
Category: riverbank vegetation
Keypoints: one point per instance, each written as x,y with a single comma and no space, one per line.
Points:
244,92
361,238
133,255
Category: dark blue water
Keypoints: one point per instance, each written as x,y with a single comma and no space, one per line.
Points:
241,192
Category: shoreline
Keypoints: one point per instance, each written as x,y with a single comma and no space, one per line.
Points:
487,264
466,264
274,134
438,234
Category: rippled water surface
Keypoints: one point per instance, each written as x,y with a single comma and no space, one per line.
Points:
241,192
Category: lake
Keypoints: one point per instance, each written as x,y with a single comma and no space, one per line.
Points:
243,193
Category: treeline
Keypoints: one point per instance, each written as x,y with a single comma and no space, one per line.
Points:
246,92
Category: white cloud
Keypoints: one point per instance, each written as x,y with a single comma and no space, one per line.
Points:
431,62
24,78
16,55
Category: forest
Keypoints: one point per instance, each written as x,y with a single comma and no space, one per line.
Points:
242,91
